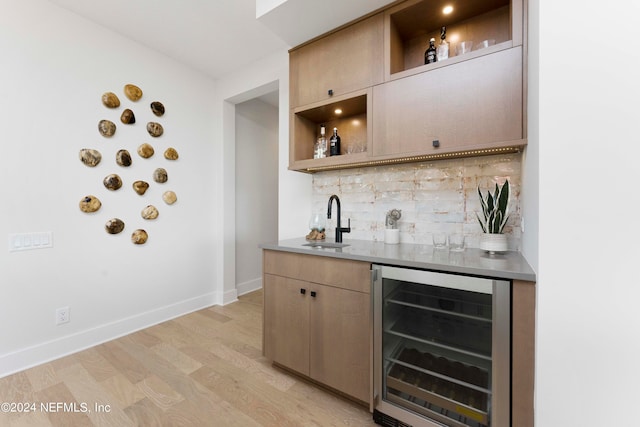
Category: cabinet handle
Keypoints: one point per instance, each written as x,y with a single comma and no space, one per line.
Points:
330,92
313,294
436,143
303,291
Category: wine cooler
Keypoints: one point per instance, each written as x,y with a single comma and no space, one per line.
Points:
442,349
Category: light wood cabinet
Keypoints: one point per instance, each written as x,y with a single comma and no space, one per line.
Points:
469,105
286,322
317,319
472,103
338,63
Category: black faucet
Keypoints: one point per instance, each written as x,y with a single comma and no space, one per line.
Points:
339,230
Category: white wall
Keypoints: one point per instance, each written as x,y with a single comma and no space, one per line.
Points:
256,188
588,322
55,67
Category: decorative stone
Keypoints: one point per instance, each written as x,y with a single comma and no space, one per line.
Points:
150,212
132,92
160,175
112,182
155,129
169,197
114,226
171,154
127,117
145,150
110,100
106,128
90,157
157,108
90,204
139,237
123,158
140,187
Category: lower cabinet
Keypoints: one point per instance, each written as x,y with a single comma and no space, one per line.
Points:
320,330
286,322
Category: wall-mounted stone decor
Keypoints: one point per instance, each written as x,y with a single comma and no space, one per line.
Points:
171,154
145,150
129,139
114,226
157,108
132,92
112,182
155,129
169,197
90,157
123,158
150,212
106,128
110,100
160,175
90,204
139,237
140,187
127,117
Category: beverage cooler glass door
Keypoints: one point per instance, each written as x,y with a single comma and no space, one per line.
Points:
442,349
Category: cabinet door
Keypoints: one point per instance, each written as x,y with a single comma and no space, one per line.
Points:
343,61
286,322
474,104
340,340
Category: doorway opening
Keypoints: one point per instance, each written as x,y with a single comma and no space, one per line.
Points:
256,186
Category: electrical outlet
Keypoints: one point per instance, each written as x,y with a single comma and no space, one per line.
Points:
62,315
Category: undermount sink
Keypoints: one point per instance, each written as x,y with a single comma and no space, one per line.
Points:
327,245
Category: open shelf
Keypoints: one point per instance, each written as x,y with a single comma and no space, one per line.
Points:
351,123
411,24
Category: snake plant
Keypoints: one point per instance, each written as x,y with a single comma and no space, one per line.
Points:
494,209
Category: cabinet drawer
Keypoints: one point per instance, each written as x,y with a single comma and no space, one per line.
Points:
342,273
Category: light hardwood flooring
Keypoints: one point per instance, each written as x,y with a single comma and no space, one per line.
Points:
202,369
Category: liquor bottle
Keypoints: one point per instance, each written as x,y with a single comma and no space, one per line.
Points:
443,48
320,147
430,54
334,143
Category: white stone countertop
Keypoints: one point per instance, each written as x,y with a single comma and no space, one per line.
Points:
476,262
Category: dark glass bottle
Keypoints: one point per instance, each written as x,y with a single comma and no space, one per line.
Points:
430,54
334,143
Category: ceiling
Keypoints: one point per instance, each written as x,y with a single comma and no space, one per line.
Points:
212,36
217,37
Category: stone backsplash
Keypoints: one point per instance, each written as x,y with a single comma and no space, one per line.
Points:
439,196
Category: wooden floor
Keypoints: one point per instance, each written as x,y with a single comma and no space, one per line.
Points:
202,369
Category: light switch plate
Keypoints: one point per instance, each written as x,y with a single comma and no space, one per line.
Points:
29,241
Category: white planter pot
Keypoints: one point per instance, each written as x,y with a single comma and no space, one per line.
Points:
494,243
391,236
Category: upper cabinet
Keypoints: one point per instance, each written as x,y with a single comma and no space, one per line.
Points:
471,105
341,62
394,107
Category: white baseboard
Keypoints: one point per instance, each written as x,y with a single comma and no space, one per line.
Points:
229,296
45,352
249,286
